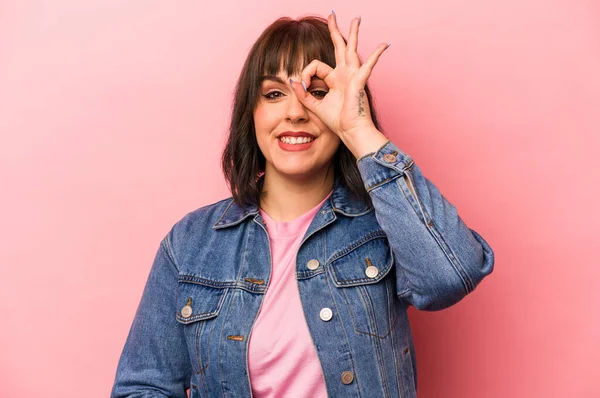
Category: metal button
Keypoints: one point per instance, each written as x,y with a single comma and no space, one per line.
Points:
326,314
388,157
186,311
372,271
313,264
347,377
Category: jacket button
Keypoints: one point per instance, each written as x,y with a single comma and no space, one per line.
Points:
372,271
347,377
326,314
186,311
313,264
388,157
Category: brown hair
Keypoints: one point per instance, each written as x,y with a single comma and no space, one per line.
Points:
290,44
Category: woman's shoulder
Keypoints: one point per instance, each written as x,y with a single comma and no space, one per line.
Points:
192,235
195,229
202,217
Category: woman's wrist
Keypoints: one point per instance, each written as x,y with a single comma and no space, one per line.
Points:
364,141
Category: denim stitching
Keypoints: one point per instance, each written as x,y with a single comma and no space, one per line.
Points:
166,243
453,255
221,378
366,297
377,185
366,280
223,215
464,276
309,274
407,359
238,277
410,199
430,225
372,153
198,316
354,323
210,335
345,335
205,389
433,231
251,287
339,210
201,366
392,310
341,253
319,229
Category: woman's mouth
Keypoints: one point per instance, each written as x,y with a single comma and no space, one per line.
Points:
295,143
295,140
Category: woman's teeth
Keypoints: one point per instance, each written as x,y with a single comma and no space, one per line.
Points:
296,140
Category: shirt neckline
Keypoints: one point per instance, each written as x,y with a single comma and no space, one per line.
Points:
291,228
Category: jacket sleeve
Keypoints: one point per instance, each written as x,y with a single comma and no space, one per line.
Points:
438,259
155,361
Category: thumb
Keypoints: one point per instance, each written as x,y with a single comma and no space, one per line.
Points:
309,101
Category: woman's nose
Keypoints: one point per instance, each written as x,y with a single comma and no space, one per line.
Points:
296,111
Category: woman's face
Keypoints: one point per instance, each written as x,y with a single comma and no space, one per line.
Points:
279,116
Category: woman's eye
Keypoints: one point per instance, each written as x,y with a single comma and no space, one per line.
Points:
273,95
319,94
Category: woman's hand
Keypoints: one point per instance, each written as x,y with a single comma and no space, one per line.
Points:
345,108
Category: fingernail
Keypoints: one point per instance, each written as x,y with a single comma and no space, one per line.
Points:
304,85
334,16
291,82
389,44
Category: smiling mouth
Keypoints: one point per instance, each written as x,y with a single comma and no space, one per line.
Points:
295,140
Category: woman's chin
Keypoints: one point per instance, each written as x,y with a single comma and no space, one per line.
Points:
298,173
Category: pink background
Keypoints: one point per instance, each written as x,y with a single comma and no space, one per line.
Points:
112,119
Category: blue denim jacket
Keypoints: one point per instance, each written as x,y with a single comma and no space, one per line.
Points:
366,264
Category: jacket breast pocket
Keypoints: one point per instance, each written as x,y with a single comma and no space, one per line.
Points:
199,306
362,273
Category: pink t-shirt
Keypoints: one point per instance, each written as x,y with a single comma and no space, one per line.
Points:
282,358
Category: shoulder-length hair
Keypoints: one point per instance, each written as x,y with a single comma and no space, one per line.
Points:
289,45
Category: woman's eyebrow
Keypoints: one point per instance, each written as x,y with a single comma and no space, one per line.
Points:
277,79
272,78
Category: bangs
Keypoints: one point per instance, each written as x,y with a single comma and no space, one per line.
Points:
286,46
291,45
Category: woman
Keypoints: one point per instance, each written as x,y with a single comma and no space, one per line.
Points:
298,285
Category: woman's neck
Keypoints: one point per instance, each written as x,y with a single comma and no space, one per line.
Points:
287,199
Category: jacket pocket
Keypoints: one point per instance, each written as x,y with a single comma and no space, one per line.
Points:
199,306
362,273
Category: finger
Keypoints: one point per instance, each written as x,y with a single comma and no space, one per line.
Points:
365,70
352,47
315,68
308,100
338,40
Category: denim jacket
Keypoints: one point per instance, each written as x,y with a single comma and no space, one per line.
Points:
363,264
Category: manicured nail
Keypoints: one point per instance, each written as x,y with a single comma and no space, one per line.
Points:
334,16
389,44
291,81
304,85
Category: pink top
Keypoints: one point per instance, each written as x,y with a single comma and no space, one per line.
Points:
282,359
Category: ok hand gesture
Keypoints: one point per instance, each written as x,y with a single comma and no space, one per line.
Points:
345,109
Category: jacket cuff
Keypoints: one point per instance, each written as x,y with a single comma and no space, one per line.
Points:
386,163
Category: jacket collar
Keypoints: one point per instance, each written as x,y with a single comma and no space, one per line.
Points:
341,201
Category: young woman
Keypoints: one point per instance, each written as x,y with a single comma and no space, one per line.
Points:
298,285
